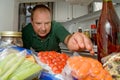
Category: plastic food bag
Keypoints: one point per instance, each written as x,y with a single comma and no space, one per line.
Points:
6,51
15,66
84,68
112,64
53,62
9,62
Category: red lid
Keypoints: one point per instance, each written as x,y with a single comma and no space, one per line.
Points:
93,26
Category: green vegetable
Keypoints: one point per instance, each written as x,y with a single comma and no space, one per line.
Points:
13,68
26,64
8,64
26,72
21,75
5,60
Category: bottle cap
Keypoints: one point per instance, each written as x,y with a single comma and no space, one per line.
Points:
93,26
79,29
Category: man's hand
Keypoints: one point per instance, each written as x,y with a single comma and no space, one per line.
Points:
78,42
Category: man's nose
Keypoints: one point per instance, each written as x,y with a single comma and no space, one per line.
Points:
43,27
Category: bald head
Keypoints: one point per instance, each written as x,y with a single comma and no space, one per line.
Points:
41,8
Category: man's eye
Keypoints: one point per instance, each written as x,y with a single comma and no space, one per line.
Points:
47,23
38,23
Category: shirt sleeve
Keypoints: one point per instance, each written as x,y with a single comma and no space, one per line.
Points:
61,32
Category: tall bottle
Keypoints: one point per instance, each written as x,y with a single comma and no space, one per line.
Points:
108,31
93,34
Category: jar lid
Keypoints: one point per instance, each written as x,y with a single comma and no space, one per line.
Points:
11,33
86,29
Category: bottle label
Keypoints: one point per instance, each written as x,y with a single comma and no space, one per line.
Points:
107,0
93,31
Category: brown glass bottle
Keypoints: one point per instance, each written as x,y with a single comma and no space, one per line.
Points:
108,31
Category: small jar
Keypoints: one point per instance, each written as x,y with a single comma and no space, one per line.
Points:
80,29
87,33
11,38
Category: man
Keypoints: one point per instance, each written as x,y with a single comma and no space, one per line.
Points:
43,34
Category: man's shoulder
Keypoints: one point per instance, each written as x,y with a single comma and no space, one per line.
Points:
28,27
56,24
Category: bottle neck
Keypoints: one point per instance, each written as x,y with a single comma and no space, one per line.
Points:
107,5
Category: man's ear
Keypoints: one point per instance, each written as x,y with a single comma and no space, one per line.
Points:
31,20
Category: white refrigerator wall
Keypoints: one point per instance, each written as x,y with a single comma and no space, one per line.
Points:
8,15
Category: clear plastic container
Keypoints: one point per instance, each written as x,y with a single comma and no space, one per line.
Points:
11,38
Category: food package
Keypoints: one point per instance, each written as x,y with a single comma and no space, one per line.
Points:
53,63
84,68
56,61
15,66
112,64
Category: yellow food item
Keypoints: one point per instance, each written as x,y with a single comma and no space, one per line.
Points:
30,58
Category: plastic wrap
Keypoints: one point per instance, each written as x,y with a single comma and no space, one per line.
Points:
112,64
9,62
15,66
84,68
53,62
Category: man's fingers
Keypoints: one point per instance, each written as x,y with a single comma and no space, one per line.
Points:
92,52
79,40
88,44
